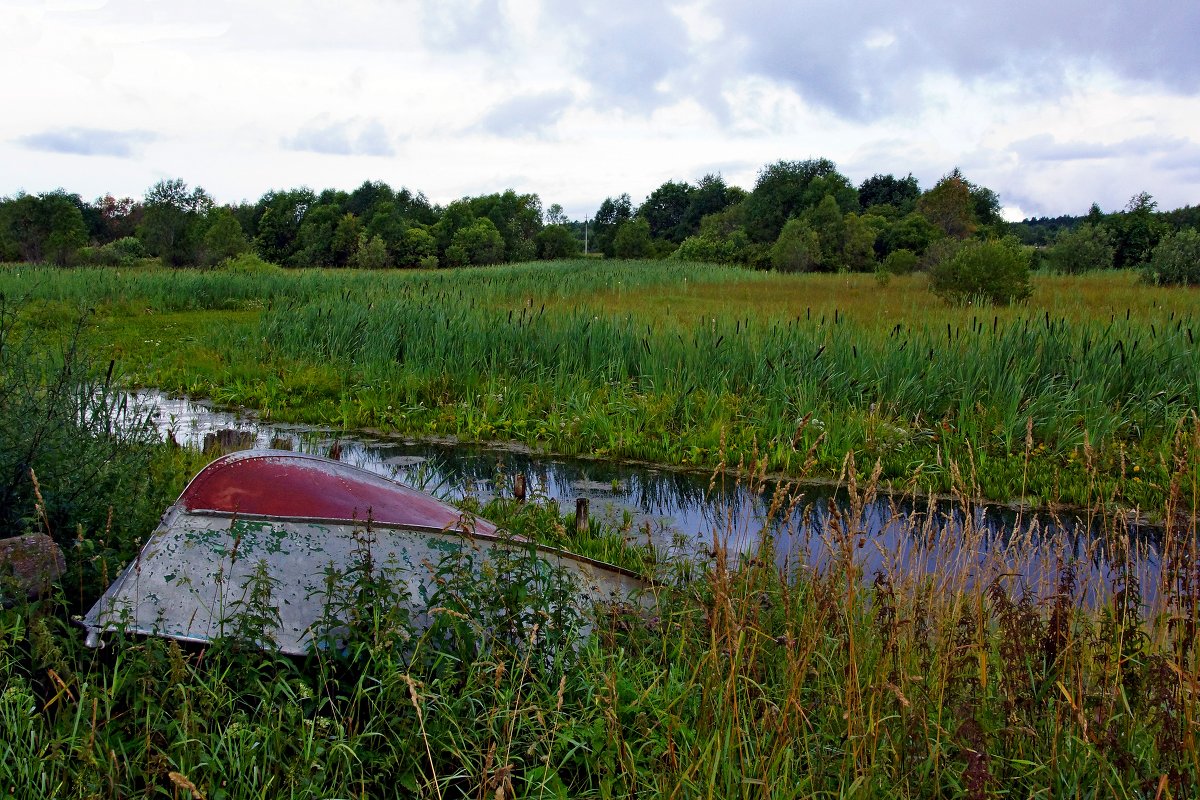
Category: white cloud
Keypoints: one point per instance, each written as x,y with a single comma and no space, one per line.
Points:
582,101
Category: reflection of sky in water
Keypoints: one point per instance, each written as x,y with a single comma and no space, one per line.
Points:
681,511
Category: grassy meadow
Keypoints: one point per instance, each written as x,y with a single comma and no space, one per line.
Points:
674,363
954,678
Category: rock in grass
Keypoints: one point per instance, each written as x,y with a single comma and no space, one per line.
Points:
29,566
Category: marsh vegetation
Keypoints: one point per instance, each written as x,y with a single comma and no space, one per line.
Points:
944,672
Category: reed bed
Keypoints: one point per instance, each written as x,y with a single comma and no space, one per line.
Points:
652,361
944,662
162,290
575,381
948,672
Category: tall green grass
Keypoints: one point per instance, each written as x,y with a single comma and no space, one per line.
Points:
533,353
944,674
160,290
577,381
962,667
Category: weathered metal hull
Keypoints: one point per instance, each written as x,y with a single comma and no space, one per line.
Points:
232,526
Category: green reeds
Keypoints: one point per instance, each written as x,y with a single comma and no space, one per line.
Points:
652,361
962,665
578,381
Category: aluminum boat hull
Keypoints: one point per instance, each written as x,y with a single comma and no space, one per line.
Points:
304,523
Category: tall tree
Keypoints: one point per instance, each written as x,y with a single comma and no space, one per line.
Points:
479,243
363,201
173,221
49,227
787,188
798,248
224,237
711,196
827,221
888,190
858,243
280,215
609,217
1136,231
454,217
950,206
315,237
632,239
518,218
115,218
666,211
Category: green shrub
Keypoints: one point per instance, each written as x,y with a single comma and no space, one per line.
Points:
714,249
63,421
995,271
124,252
248,262
900,262
1088,247
798,248
1175,261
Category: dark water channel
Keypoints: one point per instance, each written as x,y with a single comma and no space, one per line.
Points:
681,512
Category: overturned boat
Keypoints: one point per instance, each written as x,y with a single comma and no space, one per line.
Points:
300,524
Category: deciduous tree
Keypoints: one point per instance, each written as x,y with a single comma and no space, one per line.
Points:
479,243
950,207
173,221
224,237
798,248
557,241
633,239
610,216
1175,260
786,188
888,190
1086,248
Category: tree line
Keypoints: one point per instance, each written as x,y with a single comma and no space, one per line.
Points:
799,216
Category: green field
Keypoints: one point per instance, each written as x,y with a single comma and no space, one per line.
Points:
1053,402
958,678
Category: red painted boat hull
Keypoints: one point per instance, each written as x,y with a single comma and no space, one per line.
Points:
294,485
300,520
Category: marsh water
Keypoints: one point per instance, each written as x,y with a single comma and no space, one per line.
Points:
683,512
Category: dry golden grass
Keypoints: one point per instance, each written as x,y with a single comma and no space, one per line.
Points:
861,299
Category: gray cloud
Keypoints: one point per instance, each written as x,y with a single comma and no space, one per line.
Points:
527,114
1045,147
347,138
866,59
624,48
88,141
1166,151
373,140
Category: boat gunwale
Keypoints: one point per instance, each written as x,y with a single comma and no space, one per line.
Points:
499,538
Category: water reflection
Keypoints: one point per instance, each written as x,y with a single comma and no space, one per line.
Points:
685,512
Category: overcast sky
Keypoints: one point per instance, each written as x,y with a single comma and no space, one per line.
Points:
1054,105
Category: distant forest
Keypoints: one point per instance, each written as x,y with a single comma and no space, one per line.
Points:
800,216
